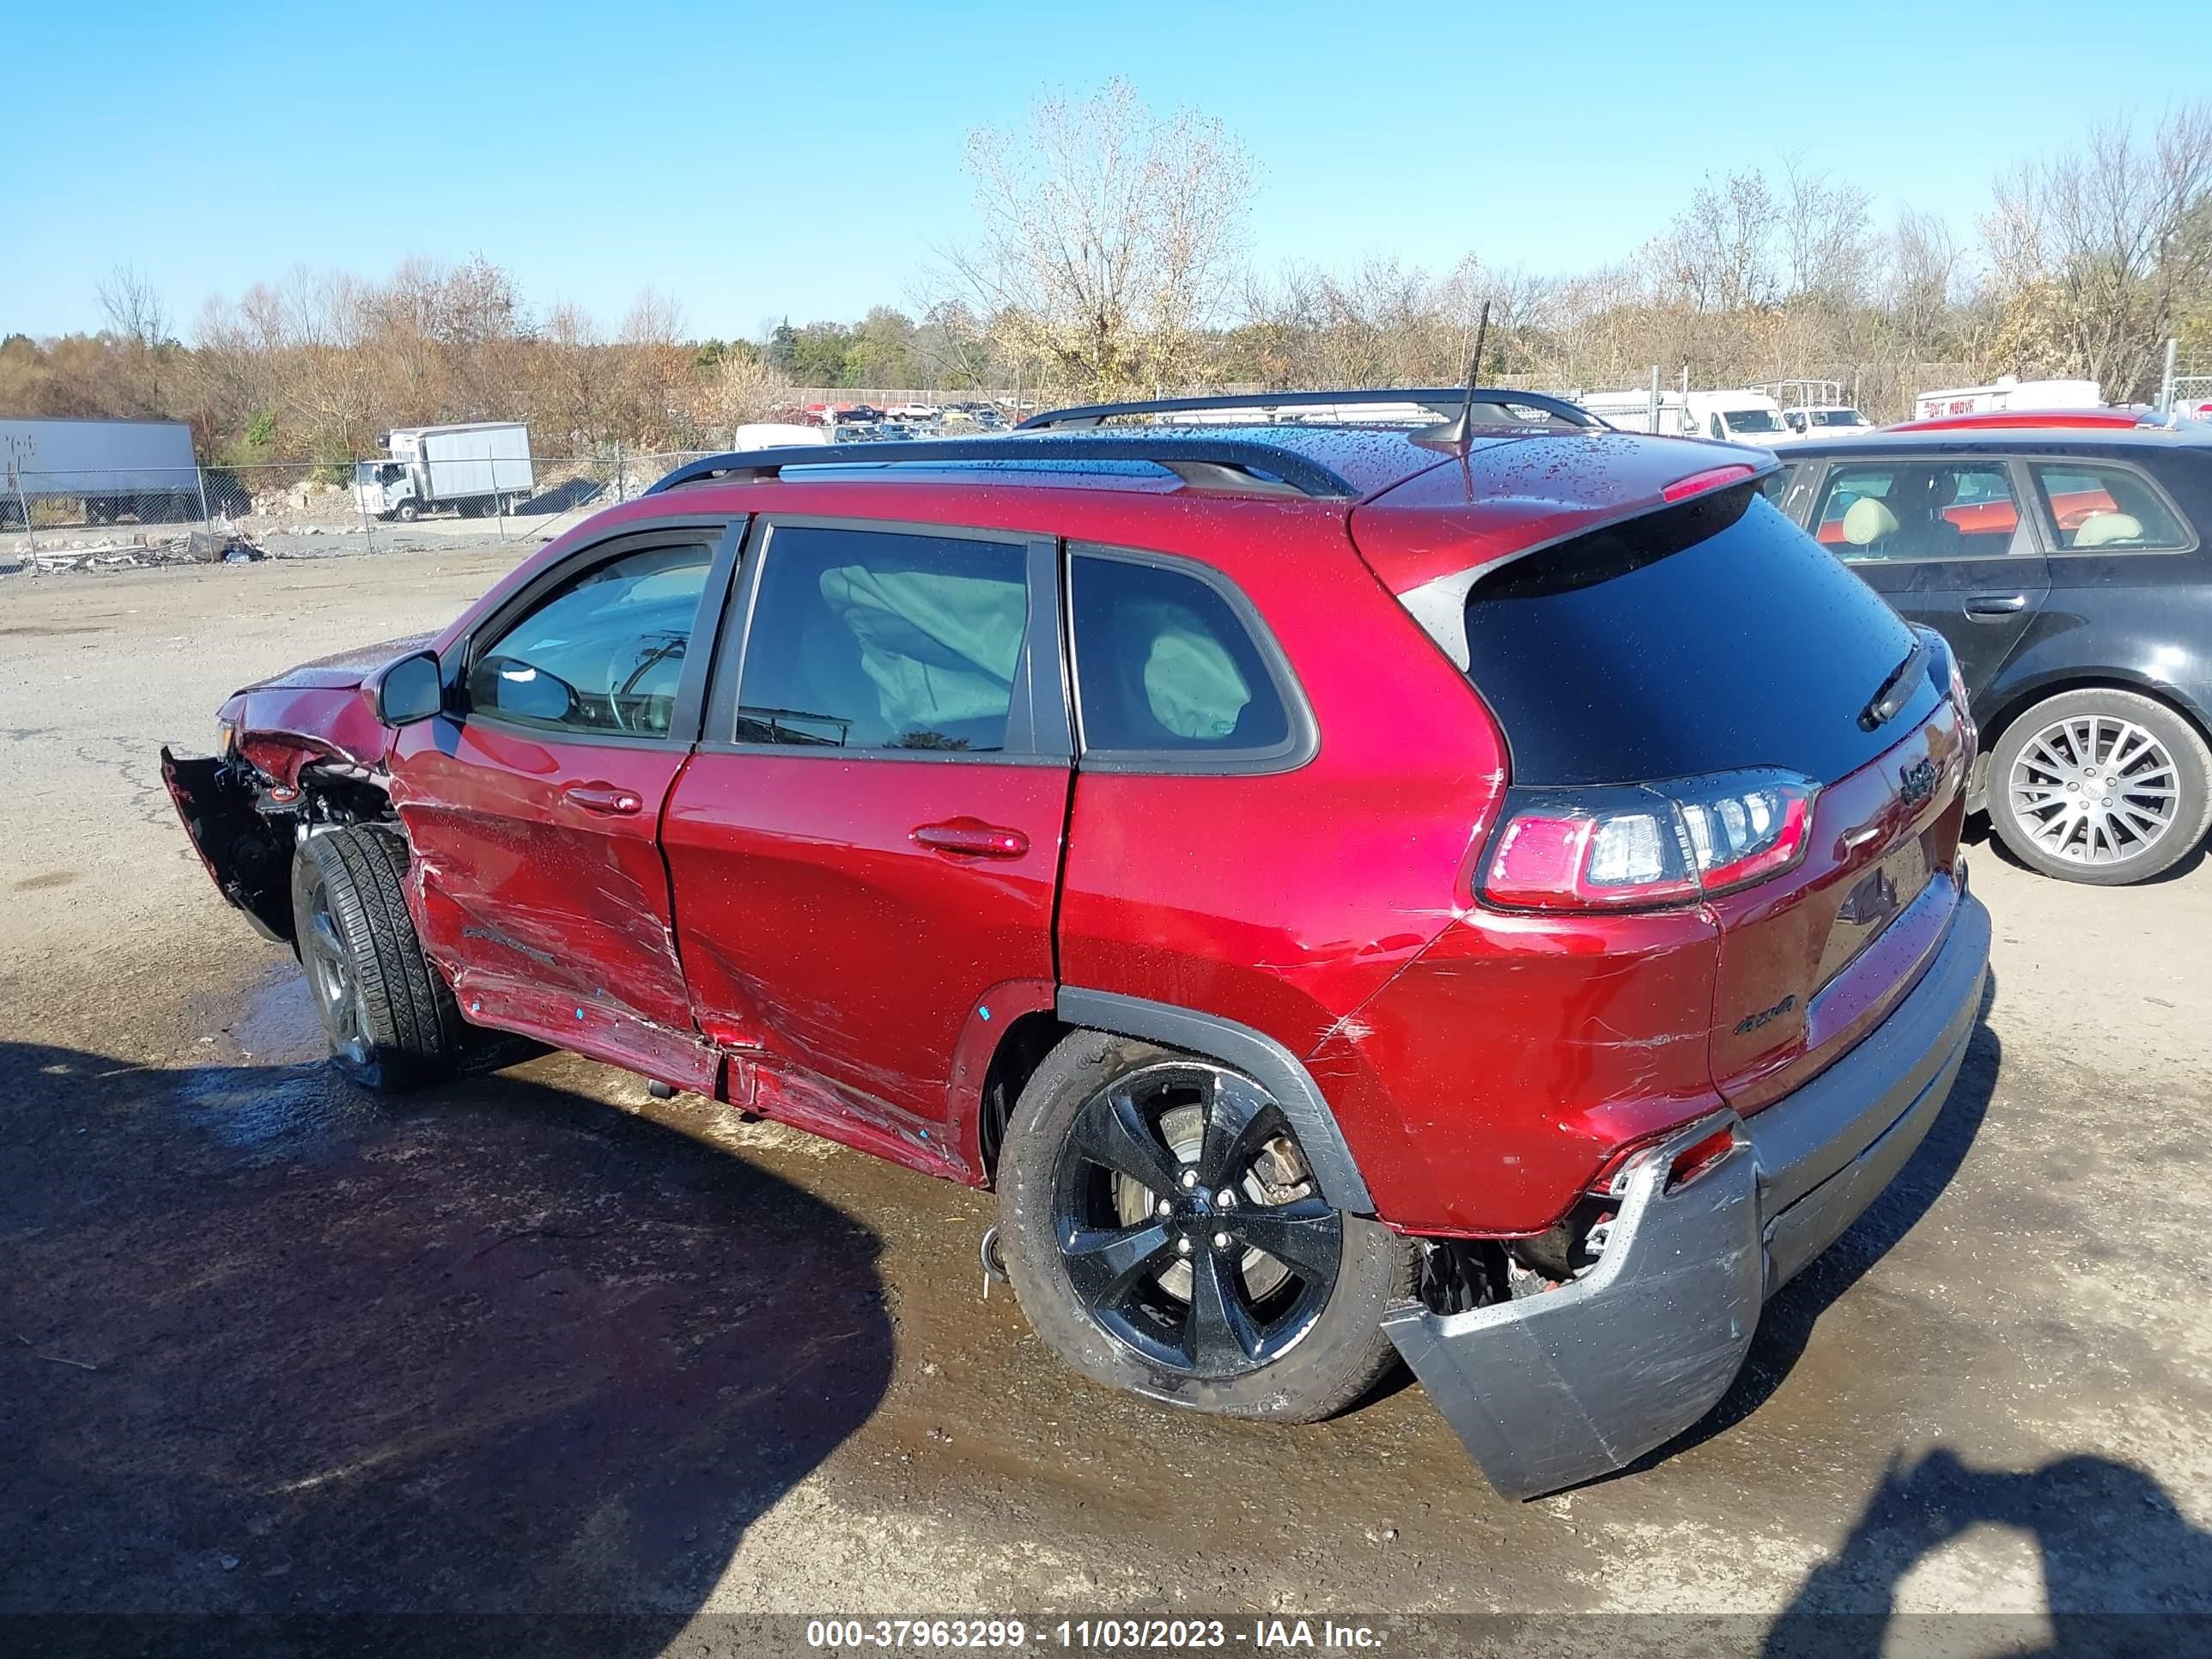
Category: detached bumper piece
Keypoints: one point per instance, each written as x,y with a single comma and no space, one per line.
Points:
1551,1390
250,864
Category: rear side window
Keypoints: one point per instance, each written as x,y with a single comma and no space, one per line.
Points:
1166,668
1901,511
2106,509
1702,638
879,640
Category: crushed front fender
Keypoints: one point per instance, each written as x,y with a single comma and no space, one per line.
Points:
247,857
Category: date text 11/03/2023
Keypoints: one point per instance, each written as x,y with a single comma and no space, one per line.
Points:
1085,1635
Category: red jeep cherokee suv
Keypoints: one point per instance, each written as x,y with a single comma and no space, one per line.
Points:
1490,887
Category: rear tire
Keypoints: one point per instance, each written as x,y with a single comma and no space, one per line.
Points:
2063,806
389,1018
1291,1342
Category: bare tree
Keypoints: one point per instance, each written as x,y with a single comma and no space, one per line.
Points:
1107,237
132,308
2100,251
1719,250
1825,236
1919,282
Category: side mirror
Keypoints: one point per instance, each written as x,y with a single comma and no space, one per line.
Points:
412,688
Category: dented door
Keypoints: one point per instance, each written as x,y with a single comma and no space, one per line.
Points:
866,849
533,803
522,884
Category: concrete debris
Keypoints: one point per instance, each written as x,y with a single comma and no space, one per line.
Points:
193,547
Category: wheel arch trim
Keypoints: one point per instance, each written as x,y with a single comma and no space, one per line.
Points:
1265,1061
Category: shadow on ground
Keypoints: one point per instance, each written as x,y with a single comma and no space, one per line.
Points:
490,1349
2123,1570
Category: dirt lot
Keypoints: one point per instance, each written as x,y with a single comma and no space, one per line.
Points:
533,1342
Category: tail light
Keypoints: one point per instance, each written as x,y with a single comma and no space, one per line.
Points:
1640,846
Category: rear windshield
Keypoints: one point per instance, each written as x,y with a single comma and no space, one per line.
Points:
1700,638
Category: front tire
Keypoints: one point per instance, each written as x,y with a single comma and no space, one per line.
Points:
2100,786
1164,1236
389,1018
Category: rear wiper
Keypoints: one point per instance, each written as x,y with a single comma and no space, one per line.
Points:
1896,691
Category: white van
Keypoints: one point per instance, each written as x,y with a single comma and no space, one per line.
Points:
1741,417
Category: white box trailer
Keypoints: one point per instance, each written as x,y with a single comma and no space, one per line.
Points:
476,468
142,469
2007,391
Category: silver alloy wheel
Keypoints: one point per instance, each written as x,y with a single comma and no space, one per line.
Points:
330,974
2093,789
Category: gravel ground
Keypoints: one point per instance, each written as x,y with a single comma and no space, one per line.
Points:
534,1342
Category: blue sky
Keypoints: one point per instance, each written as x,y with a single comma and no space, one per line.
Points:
754,162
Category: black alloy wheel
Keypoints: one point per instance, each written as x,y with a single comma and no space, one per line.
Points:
1188,1223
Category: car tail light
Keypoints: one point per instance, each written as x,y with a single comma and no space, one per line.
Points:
1643,846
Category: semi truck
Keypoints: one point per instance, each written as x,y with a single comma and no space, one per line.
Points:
142,469
476,468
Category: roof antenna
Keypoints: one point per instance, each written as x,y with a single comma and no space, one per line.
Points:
1460,428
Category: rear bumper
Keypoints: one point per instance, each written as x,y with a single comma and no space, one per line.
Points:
1550,1390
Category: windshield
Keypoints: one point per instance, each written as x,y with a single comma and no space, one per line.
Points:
1839,417
1750,420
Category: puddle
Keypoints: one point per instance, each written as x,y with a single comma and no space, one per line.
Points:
262,1086
275,1020
274,1110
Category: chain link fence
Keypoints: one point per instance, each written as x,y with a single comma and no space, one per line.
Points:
91,518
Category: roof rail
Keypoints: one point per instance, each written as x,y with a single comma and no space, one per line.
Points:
1226,463
1445,401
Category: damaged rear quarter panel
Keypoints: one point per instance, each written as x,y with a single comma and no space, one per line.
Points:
1523,1051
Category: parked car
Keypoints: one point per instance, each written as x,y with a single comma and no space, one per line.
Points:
1490,887
1824,420
2064,556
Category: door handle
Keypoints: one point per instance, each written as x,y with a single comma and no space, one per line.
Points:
972,838
603,798
1996,605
